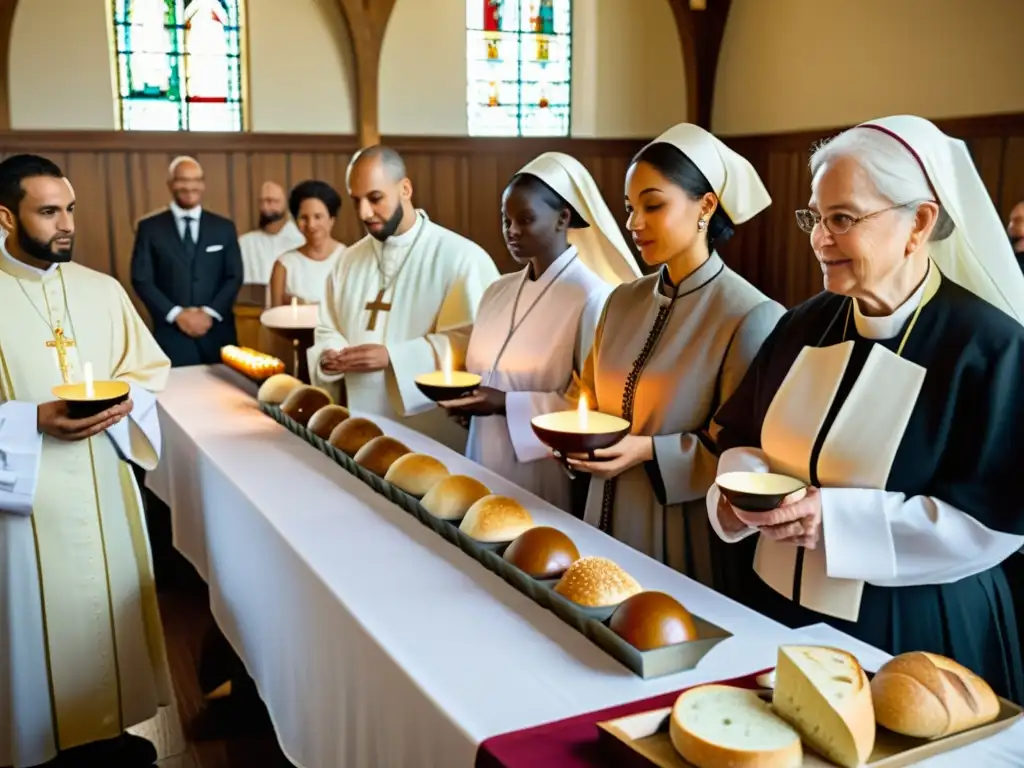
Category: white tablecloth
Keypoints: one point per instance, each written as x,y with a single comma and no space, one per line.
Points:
373,641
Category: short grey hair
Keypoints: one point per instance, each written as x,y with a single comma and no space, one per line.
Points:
895,172
179,160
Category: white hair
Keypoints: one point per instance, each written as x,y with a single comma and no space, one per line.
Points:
895,172
178,161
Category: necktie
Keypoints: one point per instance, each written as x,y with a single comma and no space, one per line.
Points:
187,239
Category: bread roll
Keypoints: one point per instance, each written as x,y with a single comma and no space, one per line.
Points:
326,419
416,473
379,454
714,726
352,434
596,582
303,402
542,552
826,696
653,620
495,519
274,390
929,696
451,498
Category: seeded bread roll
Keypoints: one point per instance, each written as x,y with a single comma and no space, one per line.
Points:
596,582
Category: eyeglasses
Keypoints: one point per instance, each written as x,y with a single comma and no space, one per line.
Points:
839,223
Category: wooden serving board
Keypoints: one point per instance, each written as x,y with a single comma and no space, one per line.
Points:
643,740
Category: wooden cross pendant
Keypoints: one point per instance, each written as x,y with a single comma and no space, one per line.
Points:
375,307
61,343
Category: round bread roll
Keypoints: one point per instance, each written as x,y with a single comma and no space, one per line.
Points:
323,422
596,582
274,390
379,454
352,434
718,725
416,473
303,402
494,519
542,552
928,696
653,620
451,498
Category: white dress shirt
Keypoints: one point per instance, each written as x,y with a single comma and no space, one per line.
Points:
180,221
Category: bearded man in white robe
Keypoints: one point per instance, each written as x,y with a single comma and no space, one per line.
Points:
391,297
82,654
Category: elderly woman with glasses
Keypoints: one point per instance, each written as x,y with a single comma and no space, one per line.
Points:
897,396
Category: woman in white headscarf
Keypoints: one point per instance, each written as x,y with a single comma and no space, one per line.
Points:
671,347
534,328
896,395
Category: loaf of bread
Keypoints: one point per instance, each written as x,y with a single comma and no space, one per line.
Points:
416,473
274,390
542,552
495,519
650,620
825,695
596,582
379,454
929,696
323,422
302,402
717,726
451,498
352,434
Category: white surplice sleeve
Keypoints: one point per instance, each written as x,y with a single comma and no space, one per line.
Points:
328,333
424,354
21,446
684,464
522,407
734,460
911,541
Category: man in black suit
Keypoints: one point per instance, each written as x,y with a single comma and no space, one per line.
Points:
187,269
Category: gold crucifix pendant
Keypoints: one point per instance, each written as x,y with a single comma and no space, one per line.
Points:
61,343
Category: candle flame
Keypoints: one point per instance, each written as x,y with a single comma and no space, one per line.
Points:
582,412
90,390
448,366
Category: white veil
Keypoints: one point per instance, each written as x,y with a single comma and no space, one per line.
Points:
977,255
598,238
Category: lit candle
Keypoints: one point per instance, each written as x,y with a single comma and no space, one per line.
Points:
295,308
90,390
583,413
448,366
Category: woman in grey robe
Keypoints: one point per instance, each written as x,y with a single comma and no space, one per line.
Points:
671,347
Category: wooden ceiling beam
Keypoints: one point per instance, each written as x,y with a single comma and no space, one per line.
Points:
701,30
367,21
7,8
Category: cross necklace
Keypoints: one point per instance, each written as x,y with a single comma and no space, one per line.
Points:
61,343
378,305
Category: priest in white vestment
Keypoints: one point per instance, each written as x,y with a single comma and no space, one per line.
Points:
82,654
277,234
535,327
390,298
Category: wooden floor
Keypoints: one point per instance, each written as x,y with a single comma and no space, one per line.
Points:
186,616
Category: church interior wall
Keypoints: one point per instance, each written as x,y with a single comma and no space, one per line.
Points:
302,94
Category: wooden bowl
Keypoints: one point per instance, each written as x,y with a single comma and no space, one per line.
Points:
602,431
437,386
106,394
757,491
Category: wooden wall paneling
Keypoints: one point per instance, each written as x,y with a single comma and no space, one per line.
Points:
270,166
988,157
217,174
1012,191
300,168
92,232
244,208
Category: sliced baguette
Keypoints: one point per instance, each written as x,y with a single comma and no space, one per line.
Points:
714,726
825,695
929,696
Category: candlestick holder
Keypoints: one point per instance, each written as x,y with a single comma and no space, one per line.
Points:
441,386
83,403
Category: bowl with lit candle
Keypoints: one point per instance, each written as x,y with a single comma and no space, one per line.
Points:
88,398
447,384
580,431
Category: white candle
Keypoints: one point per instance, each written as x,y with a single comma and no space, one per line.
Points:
448,366
90,390
295,308
583,413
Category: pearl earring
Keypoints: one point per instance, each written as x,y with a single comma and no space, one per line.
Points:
701,225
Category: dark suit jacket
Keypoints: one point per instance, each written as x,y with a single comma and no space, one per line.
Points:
166,276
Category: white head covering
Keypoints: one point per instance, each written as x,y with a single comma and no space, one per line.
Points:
977,255
740,191
597,238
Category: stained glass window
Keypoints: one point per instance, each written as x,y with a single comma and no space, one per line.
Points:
519,66
179,64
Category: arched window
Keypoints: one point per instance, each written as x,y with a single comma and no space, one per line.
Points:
179,64
519,67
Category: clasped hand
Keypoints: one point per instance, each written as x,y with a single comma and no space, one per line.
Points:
52,419
797,520
194,322
612,462
362,358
